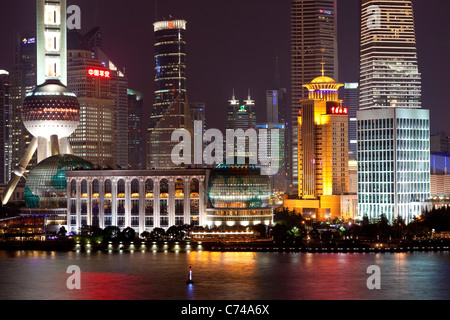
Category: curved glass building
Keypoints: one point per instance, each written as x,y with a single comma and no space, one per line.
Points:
46,186
238,195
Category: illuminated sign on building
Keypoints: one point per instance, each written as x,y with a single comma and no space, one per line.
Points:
337,110
29,40
326,11
99,73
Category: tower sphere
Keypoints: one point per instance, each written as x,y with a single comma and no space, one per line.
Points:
51,109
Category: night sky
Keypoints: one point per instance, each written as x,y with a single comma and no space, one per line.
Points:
233,44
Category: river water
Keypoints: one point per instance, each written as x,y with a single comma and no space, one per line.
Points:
40,275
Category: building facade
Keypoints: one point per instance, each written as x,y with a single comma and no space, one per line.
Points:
313,40
23,80
393,130
393,162
140,199
90,80
323,151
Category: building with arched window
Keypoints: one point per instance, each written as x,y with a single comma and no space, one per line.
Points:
140,199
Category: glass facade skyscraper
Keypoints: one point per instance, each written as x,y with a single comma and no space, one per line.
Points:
393,130
389,73
313,40
170,109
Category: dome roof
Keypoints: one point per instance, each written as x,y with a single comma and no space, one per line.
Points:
46,186
238,186
51,109
323,79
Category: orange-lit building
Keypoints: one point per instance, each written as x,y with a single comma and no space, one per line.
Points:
322,151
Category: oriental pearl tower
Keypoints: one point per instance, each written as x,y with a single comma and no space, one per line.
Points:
50,112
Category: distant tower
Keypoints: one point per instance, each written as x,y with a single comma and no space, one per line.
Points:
241,116
323,142
393,129
50,112
5,154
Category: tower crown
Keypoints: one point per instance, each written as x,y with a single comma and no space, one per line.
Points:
323,88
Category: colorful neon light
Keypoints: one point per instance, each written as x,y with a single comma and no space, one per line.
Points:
99,73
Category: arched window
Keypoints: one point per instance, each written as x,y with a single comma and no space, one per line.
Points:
149,188
134,197
95,189
164,197
120,198
73,189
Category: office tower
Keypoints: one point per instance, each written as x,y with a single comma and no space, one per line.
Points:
241,116
119,87
170,110
90,80
313,40
51,41
50,113
5,88
323,141
351,102
440,142
198,113
323,151
393,130
23,81
389,73
135,130
278,181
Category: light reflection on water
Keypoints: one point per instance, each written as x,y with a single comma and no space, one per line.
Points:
224,275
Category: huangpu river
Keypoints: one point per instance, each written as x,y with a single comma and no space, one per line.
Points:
42,275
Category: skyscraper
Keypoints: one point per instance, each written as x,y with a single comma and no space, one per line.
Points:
51,41
323,150
135,130
5,87
23,81
389,72
393,130
351,102
90,80
313,40
240,116
171,109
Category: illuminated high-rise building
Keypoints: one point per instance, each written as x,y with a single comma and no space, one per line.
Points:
323,141
323,150
171,109
23,81
90,80
5,154
393,129
135,130
240,116
389,72
313,40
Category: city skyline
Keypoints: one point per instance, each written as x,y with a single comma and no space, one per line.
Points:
243,47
